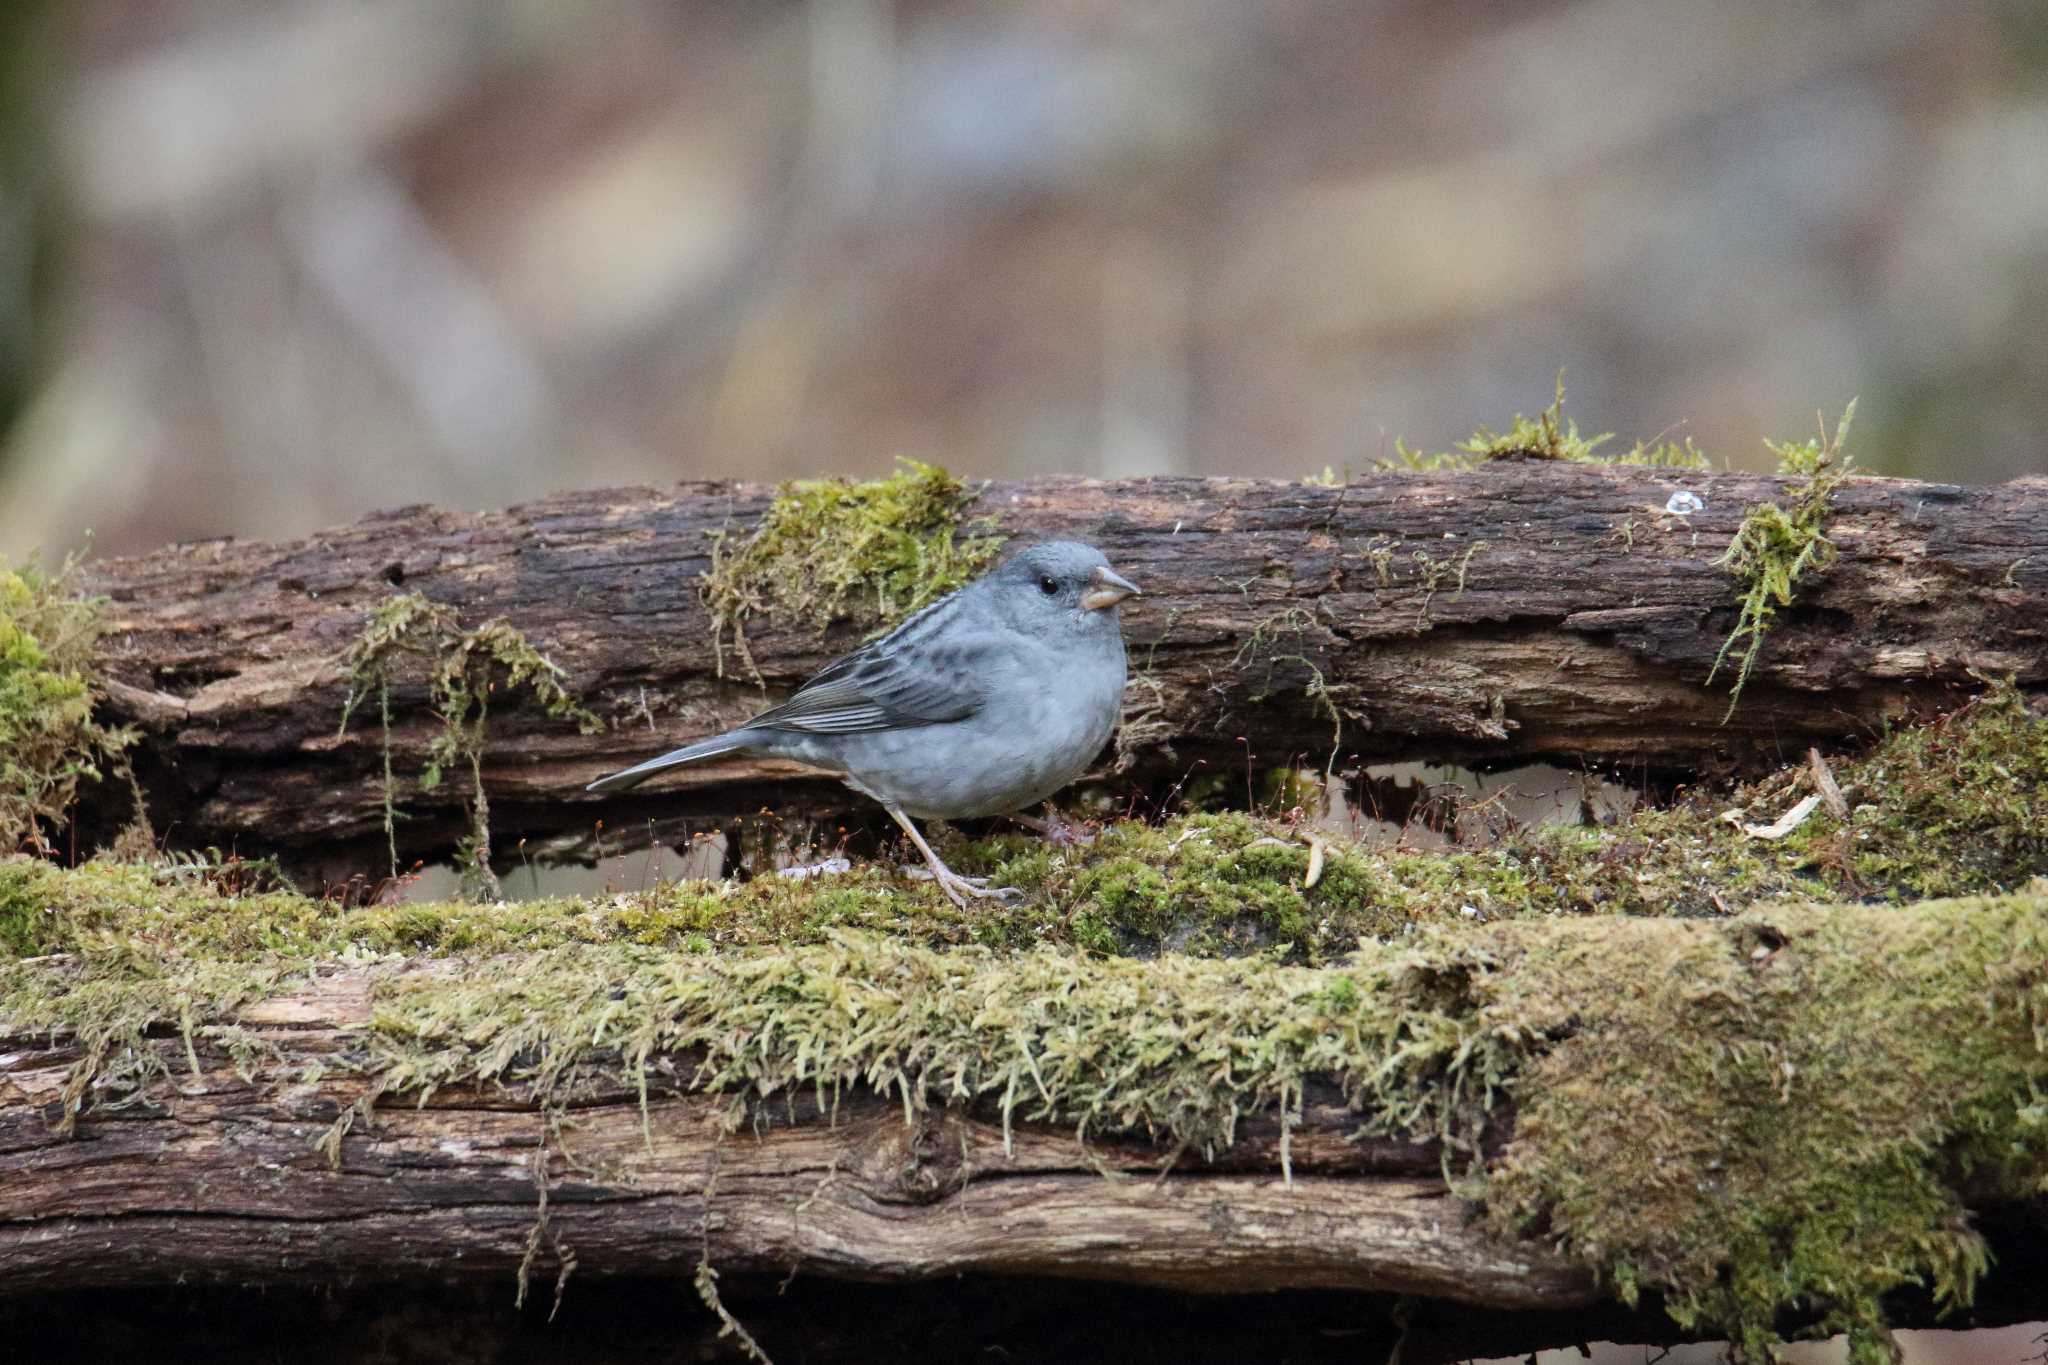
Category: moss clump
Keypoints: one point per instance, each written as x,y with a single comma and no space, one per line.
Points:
1949,808
832,550
1773,1118
465,668
1778,544
49,742
1550,435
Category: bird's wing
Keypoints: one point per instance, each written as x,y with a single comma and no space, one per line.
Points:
894,683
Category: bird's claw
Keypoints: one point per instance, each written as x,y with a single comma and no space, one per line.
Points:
959,888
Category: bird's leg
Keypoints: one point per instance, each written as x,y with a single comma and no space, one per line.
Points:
956,887
1055,829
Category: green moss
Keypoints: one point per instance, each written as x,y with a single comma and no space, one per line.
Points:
465,669
832,550
1550,435
1952,807
1956,807
1773,1118
1766,1119
1778,544
49,741
1662,454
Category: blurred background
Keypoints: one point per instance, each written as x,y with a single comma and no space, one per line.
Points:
267,264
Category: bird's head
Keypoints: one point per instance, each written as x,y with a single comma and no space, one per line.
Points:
1060,586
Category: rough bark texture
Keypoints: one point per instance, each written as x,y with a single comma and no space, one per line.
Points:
1520,611
215,1178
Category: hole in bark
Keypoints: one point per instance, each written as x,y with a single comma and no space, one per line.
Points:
184,680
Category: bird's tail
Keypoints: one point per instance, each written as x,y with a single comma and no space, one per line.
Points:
689,753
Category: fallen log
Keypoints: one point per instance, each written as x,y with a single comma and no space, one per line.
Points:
217,1176
1520,610
1627,1104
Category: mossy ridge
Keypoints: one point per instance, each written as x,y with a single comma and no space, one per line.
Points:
1762,1118
1778,544
833,550
1954,807
1222,885
49,741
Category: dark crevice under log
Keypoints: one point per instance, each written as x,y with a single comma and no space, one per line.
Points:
1583,632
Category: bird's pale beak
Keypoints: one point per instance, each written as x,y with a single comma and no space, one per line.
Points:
1110,588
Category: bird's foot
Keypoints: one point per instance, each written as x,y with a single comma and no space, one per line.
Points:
959,888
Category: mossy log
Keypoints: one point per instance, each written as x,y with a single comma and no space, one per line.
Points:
1776,1120
215,1177
1519,610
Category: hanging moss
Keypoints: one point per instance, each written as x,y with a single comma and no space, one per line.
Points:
465,669
836,550
49,741
1776,545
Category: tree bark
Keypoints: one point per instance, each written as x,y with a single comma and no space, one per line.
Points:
1520,611
214,1176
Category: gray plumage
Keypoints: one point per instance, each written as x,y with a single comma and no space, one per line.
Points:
985,702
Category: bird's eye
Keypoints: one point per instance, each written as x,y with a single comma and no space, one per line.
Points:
1049,585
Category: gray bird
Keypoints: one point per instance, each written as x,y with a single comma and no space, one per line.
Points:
985,702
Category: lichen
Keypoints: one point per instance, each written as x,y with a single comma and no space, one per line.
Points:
49,741
1777,544
465,669
836,550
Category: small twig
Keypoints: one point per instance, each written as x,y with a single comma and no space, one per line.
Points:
1784,825
1824,779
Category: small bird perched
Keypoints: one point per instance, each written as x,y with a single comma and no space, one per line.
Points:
987,701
